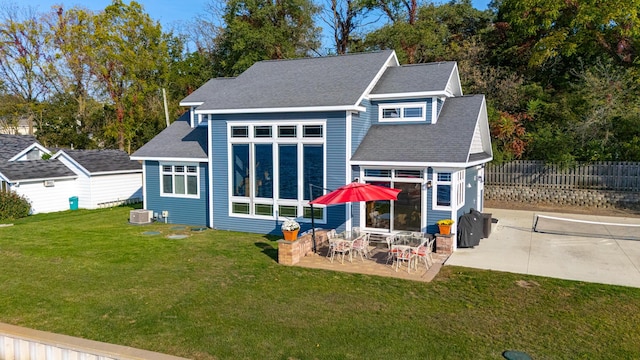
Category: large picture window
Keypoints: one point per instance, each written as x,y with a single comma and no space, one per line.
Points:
271,167
404,214
180,180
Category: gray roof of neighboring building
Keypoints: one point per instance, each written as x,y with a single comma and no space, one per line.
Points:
35,169
96,161
310,82
447,141
178,141
415,78
11,145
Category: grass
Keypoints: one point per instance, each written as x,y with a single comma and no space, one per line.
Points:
222,295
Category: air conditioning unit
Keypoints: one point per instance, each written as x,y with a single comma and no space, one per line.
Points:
140,216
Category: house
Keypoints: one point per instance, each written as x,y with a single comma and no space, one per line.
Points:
254,149
94,176
104,177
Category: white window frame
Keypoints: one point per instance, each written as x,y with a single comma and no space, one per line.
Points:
162,173
275,140
457,185
393,179
402,107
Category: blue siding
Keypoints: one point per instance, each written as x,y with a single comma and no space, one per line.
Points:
181,210
372,109
433,215
335,175
471,194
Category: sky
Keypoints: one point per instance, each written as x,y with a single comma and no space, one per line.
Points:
170,13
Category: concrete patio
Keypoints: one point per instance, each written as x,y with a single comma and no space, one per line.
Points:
376,265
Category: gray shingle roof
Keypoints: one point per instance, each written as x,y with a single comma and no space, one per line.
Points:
178,141
205,91
310,82
11,145
97,161
447,141
415,78
35,169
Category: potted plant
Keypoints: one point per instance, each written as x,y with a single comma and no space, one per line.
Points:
444,226
290,229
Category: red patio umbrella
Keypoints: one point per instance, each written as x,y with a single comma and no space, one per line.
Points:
353,192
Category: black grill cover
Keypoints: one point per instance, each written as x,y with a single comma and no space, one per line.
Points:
470,229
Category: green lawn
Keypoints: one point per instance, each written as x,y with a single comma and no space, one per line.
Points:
222,295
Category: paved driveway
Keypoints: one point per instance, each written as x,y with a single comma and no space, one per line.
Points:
513,247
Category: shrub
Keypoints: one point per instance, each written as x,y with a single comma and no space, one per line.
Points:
13,206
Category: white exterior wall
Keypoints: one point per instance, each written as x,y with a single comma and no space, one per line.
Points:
109,188
47,199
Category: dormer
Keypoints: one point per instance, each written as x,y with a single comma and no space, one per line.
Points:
415,93
33,152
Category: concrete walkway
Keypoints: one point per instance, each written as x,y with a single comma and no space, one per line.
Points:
514,247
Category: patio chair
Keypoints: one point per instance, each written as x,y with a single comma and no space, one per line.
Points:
423,253
331,234
402,254
341,248
361,246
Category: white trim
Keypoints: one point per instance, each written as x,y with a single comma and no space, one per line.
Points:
145,188
186,174
17,181
191,103
210,173
414,94
116,172
29,148
402,107
392,60
348,146
168,159
388,164
434,110
282,109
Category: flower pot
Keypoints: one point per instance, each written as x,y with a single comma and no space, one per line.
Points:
444,229
291,235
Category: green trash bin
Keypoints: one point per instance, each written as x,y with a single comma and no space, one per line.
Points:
73,203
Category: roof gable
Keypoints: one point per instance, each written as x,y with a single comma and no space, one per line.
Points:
11,145
333,81
418,79
446,142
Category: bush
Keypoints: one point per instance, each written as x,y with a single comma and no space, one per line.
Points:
13,206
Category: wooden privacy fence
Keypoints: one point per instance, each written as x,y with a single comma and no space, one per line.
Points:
607,175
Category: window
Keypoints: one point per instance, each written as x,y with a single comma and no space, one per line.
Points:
271,167
449,190
402,112
443,189
403,214
240,131
180,180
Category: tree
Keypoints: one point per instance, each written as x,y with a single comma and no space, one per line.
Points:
553,34
25,59
128,54
258,30
429,32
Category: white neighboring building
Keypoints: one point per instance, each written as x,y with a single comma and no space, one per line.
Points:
97,177
105,177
